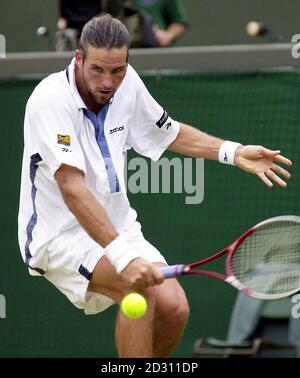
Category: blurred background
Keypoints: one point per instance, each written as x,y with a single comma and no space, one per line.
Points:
248,93
213,22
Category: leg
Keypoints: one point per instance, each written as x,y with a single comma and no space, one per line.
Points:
164,327
72,36
133,336
170,318
61,43
156,333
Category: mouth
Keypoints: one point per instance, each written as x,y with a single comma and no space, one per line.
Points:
105,92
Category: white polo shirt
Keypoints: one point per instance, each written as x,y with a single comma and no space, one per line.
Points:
59,129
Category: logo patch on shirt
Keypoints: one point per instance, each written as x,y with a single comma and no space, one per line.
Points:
65,149
64,139
116,129
163,119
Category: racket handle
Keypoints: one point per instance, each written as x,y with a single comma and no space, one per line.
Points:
172,270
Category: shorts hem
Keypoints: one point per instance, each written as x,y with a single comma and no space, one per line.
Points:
90,267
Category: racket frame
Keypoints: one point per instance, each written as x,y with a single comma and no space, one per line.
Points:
229,277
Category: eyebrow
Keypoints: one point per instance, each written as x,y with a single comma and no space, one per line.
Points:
94,65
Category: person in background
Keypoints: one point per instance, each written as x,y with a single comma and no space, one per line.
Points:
73,15
168,16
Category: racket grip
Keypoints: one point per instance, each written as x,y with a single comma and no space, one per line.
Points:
172,270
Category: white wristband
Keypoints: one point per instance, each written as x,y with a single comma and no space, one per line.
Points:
119,252
227,152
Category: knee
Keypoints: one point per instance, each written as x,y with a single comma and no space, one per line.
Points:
181,310
175,310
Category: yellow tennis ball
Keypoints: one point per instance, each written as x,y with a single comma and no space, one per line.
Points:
134,305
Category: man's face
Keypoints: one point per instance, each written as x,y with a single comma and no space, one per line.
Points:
102,70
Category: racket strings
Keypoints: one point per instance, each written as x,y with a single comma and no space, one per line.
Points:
268,261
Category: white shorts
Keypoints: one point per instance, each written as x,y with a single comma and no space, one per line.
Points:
72,258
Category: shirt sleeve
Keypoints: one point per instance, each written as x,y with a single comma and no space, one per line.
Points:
152,130
51,128
175,12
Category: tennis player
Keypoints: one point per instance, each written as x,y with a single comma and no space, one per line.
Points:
76,226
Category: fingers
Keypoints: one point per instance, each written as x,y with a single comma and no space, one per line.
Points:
275,155
159,277
268,152
152,276
275,178
271,173
144,275
272,176
283,160
281,171
263,177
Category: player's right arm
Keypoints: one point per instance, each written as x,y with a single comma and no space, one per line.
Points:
137,272
84,205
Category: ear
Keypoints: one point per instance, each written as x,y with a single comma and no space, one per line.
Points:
79,58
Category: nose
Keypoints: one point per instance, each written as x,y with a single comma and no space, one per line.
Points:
107,82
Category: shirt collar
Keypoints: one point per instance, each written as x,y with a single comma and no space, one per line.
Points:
71,78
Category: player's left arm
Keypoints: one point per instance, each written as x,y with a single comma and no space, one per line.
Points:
253,159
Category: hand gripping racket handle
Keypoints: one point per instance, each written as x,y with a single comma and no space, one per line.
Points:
172,270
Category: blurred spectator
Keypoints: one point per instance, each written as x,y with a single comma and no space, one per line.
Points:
73,14
150,23
137,21
168,16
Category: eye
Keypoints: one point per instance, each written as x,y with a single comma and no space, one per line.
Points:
97,69
117,70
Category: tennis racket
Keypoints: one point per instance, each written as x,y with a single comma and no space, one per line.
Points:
263,263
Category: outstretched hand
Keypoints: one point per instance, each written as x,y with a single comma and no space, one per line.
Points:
262,162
